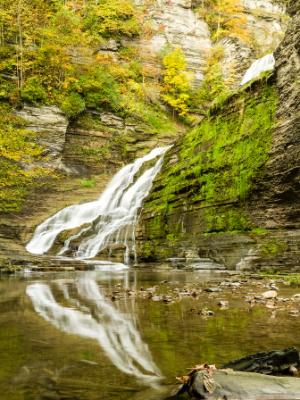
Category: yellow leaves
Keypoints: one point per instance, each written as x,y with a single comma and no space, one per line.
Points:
18,153
18,144
174,61
114,17
177,81
226,18
135,87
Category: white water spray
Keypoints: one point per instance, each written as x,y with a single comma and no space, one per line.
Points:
114,331
113,215
263,64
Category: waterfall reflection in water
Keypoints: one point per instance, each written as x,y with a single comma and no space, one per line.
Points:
98,319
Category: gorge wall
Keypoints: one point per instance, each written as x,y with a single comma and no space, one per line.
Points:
179,23
78,154
229,191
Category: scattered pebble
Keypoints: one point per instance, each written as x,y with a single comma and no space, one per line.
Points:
206,313
294,312
223,303
156,298
213,290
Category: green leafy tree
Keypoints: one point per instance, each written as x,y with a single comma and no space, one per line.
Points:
72,104
109,18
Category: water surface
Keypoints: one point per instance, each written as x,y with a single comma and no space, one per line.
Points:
101,335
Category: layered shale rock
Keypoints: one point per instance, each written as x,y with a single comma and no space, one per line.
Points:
177,23
230,188
51,125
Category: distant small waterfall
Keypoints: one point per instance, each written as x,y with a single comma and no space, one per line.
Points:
111,218
114,331
263,64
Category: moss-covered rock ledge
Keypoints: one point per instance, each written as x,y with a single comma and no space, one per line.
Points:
203,203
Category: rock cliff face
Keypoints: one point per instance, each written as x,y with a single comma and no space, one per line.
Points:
88,151
177,23
101,142
51,124
229,190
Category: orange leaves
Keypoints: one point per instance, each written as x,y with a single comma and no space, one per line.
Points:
226,18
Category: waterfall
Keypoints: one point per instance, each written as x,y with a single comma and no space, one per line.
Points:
263,64
114,331
112,217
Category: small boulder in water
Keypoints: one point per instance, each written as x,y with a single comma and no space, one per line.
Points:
269,294
156,298
223,303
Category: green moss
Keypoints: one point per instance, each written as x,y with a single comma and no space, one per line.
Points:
225,220
273,247
219,162
155,119
92,153
293,279
259,231
88,183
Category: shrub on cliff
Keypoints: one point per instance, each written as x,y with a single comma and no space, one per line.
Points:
33,92
176,82
72,105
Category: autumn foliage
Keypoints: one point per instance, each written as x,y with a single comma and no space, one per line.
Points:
226,18
176,81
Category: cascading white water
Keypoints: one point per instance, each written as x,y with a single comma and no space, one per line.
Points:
114,331
113,215
263,64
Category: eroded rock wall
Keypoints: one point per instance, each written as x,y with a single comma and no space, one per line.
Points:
51,125
177,23
235,198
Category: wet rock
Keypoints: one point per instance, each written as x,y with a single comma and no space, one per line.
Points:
167,299
203,264
89,362
223,303
213,290
276,362
270,304
270,294
233,385
294,312
156,298
110,45
206,313
230,284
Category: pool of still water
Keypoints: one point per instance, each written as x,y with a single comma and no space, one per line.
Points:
91,336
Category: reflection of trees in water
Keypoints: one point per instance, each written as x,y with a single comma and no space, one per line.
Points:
95,317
